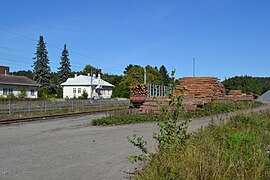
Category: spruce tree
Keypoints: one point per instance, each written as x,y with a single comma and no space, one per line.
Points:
64,70
41,69
165,75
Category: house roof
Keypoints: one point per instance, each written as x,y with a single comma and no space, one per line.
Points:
265,98
86,81
17,80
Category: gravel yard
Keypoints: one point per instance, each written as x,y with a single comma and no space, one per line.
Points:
70,148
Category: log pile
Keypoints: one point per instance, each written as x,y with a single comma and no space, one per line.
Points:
138,94
138,89
200,88
197,91
152,105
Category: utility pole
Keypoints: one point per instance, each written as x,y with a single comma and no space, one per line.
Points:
144,79
91,84
193,66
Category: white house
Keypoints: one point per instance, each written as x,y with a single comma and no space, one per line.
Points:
11,84
94,86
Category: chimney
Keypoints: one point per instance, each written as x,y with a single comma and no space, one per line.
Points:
75,75
4,70
98,76
88,74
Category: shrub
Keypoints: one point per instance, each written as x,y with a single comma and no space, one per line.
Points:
22,94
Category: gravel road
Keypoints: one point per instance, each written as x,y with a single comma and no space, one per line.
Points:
70,148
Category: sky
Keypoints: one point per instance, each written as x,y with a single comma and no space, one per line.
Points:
227,37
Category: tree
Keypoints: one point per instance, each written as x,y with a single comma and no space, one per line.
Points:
27,73
165,75
84,95
22,94
41,65
88,69
64,69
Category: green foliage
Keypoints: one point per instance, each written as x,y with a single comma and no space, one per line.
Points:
248,84
43,93
172,128
84,95
11,96
88,69
64,69
125,119
41,69
59,92
28,73
22,94
238,149
140,143
134,74
219,107
165,75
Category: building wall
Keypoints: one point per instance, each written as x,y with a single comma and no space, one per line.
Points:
76,91
8,89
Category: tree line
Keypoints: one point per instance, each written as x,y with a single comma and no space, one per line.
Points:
248,84
50,81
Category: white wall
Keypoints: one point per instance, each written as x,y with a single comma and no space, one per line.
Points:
17,89
68,92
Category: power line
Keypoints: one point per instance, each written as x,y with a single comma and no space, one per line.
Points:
73,64
74,52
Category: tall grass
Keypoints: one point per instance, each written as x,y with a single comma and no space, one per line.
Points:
238,149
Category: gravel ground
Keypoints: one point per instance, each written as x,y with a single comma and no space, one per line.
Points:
70,148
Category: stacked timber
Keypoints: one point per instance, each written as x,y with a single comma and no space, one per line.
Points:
153,105
235,96
200,88
198,91
138,94
138,89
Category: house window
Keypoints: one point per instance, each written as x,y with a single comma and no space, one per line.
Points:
74,90
32,92
10,91
79,90
5,91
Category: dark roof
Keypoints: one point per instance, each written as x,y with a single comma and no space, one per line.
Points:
17,80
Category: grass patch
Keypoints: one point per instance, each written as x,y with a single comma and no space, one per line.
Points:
127,119
238,149
131,116
219,108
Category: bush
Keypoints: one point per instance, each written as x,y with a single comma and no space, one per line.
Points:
84,95
238,149
23,94
43,93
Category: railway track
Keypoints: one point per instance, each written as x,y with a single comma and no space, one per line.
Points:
49,117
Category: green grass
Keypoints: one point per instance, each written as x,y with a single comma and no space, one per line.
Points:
128,117
218,108
238,149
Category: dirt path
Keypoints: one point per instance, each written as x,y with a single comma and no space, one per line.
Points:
71,148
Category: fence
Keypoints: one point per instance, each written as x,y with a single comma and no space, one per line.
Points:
156,90
47,107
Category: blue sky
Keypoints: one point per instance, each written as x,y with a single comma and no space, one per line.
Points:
227,37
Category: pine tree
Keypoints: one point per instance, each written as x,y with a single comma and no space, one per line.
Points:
165,75
41,69
64,70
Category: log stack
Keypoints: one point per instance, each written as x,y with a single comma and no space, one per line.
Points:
138,89
196,91
138,94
